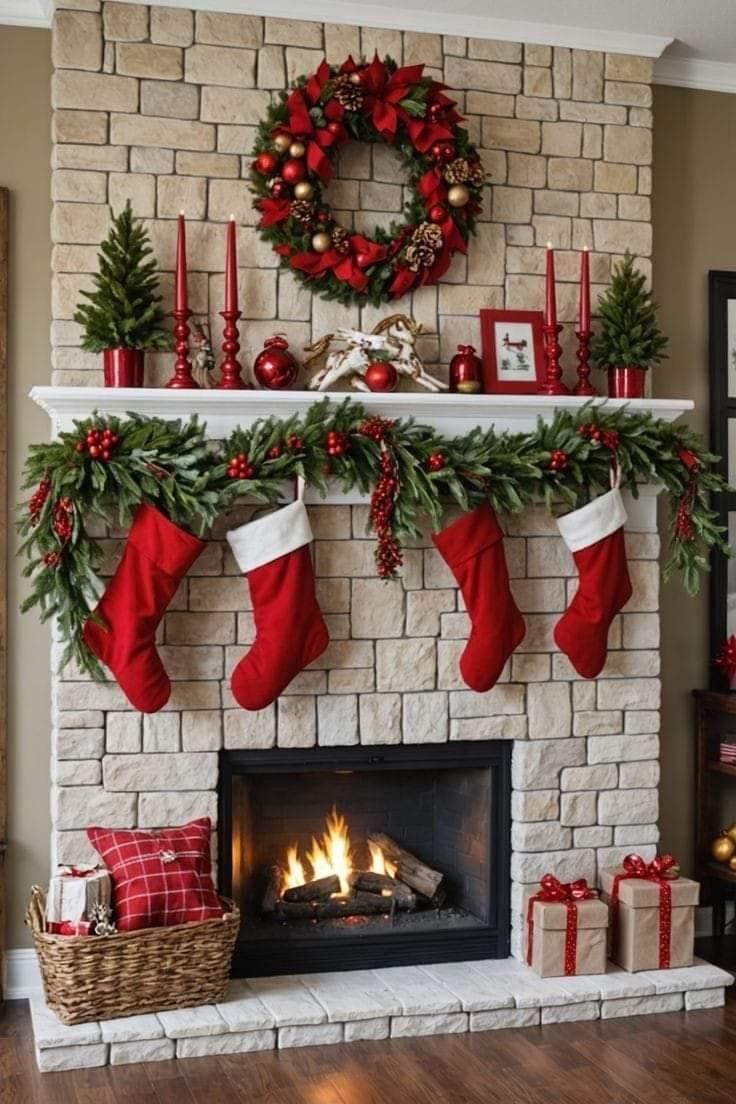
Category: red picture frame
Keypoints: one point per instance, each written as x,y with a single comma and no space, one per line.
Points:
513,351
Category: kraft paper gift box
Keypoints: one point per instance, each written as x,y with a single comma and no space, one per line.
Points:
641,936
74,890
552,947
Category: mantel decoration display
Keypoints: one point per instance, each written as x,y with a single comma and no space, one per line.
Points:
295,151
109,468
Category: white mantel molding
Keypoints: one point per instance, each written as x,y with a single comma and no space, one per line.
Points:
439,20
224,411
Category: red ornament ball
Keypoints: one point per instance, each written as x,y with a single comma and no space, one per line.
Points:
443,151
266,163
437,213
337,130
275,367
280,189
293,171
436,461
381,376
434,112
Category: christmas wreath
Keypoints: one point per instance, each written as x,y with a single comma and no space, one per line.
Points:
294,155
105,468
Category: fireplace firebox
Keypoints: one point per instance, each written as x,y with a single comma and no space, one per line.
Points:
347,858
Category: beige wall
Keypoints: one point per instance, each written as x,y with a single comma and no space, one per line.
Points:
25,146
694,231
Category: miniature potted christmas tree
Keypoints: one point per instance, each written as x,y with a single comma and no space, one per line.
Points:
124,315
630,340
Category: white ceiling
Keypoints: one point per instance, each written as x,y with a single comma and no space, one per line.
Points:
695,40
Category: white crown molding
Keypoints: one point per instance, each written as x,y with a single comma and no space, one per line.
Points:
22,977
682,72
26,13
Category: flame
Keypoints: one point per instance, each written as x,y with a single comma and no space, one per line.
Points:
379,862
332,854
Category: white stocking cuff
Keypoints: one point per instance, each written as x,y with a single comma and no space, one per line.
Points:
591,523
259,542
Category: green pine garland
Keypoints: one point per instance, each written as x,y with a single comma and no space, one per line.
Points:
124,310
171,466
629,334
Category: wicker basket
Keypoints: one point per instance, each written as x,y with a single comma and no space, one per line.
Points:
97,978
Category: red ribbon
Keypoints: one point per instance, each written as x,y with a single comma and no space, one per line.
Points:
316,140
348,267
655,871
273,211
77,871
554,891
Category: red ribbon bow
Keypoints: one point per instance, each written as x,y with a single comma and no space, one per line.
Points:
659,870
78,871
553,891
348,267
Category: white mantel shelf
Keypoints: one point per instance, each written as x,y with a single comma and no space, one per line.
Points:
224,411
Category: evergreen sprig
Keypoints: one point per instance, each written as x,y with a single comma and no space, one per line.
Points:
124,310
629,334
171,466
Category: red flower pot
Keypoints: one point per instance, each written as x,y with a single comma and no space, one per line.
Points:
627,382
123,367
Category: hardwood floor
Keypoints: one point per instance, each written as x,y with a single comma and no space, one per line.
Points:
678,1058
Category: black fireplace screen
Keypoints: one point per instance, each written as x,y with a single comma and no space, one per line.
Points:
346,858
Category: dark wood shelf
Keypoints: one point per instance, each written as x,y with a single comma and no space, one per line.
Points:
716,700
720,870
722,768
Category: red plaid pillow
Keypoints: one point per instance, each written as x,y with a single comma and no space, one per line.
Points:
159,878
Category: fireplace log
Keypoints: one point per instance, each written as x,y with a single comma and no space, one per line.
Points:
357,904
411,870
273,890
384,884
321,889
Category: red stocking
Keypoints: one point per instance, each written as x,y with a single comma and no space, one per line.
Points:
273,552
157,556
595,536
472,547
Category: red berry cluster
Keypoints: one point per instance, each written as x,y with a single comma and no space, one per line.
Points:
337,443
388,551
62,524
295,443
52,559
38,499
376,428
239,467
99,444
557,460
274,452
607,437
684,529
435,461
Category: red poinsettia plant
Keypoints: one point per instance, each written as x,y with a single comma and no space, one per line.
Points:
294,158
726,659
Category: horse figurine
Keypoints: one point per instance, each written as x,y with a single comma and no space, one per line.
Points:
396,335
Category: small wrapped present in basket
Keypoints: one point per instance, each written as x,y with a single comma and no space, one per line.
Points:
566,929
652,913
74,891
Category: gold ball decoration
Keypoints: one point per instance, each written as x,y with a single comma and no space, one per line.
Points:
303,190
458,195
732,863
321,242
354,78
723,849
297,149
282,142
731,832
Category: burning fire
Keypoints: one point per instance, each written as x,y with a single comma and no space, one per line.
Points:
332,854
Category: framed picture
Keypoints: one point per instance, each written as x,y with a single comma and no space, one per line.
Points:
722,332
513,351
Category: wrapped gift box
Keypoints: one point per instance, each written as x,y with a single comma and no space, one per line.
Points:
646,933
558,950
74,890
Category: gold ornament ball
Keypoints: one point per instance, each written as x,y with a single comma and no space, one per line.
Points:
297,149
282,142
458,195
303,190
732,863
731,832
354,78
723,849
321,242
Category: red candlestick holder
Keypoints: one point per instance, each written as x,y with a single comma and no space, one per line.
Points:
230,377
553,384
584,386
182,378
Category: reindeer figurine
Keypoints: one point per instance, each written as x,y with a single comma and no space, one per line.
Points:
396,334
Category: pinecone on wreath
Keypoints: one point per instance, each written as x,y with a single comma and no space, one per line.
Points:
303,211
347,94
425,244
341,240
461,171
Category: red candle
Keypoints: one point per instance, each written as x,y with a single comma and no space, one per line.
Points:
180,301
550,313
231,269
584,321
